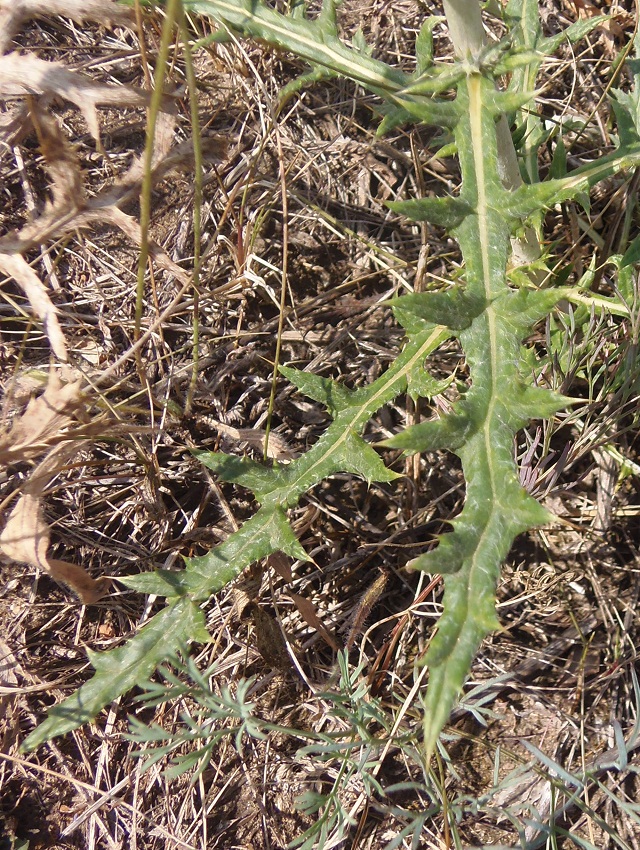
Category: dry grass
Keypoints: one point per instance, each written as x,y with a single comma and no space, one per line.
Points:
130,497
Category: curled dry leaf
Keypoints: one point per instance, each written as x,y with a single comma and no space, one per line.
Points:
279,563
14,12
308,611
17,267
42,424
67,187
28,75
269,638
9,684
277,446
67,193
70,209
26,536
131,229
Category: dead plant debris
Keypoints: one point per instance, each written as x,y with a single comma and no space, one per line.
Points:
97,479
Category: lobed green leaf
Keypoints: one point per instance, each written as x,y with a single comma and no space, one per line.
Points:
121,669
489,318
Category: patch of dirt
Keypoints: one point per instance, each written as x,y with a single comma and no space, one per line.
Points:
555,686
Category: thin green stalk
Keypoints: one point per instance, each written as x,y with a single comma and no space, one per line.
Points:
192,85
283,286
469,39
172,11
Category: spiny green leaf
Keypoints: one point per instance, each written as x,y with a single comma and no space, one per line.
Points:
504,102
627,112
513,62
317,43
327,19
525,306
402,110
424,44
119,670
358,457
238,470
399,111
266,532
420,384
333,395
168,583
445,212
632,255
434,80
315,75
359,43
530,198
455,308
573,33
312,40
483,424
489,319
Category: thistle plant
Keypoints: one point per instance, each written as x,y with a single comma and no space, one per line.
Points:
490,308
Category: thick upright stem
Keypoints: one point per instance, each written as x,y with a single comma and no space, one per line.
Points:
466,30
469,39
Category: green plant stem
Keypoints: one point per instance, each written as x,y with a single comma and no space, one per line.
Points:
197,204
172,11
469,40
283,285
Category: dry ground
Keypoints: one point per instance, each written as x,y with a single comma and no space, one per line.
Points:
131,497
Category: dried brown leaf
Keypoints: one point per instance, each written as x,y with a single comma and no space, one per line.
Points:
67,194
28,75
42,423
310,616
14,12
26,535
17,267
277,447
15,124
176,158
25,538
64,170
90,590
131,229
66,185
279,562
162,142
269,639
8,684
69,208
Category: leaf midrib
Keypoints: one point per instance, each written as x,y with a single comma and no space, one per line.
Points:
364,412
312,48
484,212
